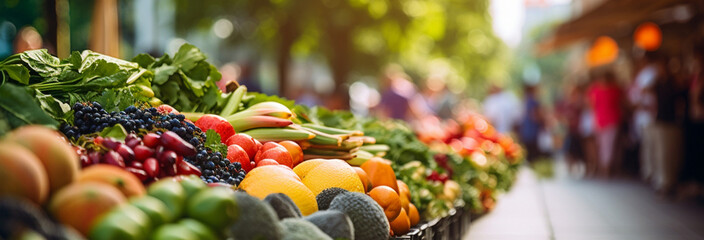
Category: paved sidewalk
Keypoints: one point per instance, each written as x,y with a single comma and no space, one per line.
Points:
566,208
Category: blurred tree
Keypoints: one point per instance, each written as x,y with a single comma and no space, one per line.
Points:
361,36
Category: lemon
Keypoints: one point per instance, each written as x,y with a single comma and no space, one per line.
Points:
303,168
333,173
266,180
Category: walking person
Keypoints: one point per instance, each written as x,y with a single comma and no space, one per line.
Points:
605,97
531,123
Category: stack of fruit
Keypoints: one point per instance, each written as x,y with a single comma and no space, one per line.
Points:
320,171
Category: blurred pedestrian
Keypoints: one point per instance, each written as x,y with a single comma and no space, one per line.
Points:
642,100
665,139
502,108
531,123
570,110
693,169
396,95
27,39
605,97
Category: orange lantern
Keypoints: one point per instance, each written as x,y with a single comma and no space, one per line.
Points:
648,36
603,51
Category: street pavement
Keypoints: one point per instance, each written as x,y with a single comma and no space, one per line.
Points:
565,207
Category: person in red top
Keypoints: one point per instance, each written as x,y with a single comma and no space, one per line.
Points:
605,97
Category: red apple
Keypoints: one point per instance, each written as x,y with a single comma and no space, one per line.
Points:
267,161
217,123
246,142
235,153
280,154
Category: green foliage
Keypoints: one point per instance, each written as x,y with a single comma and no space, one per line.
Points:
186,81
359,37
214,142
18,107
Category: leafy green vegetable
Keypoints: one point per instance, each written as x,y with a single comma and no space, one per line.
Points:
20,108
117,131
83,77
16,72
186,82
213,141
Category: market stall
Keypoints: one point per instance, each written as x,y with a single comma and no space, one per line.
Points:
150,148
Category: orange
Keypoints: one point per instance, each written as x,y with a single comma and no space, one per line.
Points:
333,173
263,172
403,189
388,199
413,215
269,179
303,168
401,225
294,150
380,172
365,179
405,194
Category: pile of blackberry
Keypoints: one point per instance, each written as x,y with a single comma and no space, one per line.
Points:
90,118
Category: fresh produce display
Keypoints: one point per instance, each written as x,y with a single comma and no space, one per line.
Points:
102,148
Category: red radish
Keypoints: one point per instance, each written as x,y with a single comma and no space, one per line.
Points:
111,143
114,158
168,157
151,140
126,153
172,141
185,168
85,161
170,169
94,157
166,109
267,161
142,152
133,142
141,174
151,166
246,142
235,153
217,123
280,154
137,165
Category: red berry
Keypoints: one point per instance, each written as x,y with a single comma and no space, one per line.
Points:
151,166
141,174
133,142
168,157
142,152
111,143
85,161
126,153
151,140
137,165
185,168
114,158
172,141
